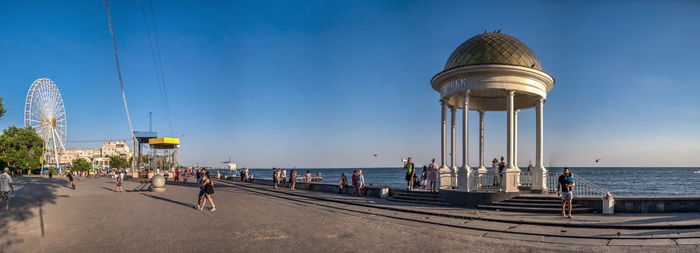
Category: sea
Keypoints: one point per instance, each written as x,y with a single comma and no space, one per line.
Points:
621,181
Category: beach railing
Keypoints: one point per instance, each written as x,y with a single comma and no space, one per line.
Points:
582,188
526,178
487,181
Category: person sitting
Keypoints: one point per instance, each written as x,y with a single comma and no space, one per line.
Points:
343,183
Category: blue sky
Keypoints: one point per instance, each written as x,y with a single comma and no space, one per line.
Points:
329,83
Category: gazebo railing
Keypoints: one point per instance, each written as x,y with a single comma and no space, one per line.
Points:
486,181
526,178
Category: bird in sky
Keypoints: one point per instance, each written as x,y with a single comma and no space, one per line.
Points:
597,160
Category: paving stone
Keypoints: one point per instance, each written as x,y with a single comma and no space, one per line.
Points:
685,241
579,241
641,242
514,236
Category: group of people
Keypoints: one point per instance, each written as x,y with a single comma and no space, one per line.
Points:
428,178
279,178
357,180
245,175
206,190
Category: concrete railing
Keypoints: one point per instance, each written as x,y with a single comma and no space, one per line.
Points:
370,191
582,187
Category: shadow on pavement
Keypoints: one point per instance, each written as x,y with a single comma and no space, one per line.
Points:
168,200
30,192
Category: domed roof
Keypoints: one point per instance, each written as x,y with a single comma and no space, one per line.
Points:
493,48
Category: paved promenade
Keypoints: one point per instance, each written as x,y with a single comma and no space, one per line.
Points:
50,217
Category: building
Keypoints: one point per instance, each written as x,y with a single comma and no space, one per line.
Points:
115,148
99,157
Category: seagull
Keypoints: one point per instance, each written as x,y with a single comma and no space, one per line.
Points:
375,155
597,160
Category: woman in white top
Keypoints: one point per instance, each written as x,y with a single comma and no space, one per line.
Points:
360,182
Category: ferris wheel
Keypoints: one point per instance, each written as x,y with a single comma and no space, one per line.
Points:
44,112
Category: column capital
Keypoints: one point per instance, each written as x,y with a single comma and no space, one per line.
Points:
481,112
541,100
510,92
467,92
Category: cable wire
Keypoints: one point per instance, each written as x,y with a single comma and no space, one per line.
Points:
119,70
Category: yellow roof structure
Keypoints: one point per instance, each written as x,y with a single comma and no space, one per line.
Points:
164,142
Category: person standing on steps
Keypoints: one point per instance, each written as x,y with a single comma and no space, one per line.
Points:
6,188
410,173
564,187
432,175
501,168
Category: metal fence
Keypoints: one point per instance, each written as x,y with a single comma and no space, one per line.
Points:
582,187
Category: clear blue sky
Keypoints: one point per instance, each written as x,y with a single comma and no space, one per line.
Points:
329,83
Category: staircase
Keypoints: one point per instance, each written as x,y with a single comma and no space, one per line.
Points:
534,204
418,197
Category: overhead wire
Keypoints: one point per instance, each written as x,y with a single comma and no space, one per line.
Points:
157,59
119,70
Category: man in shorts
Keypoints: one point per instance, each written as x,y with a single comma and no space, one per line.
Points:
6,188
564,190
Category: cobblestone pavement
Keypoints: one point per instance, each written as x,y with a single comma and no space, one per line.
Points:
50,217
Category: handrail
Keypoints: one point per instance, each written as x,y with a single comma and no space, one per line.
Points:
582,186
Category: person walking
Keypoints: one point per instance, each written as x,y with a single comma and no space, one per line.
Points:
69,175
50,174
360,183
564,187
308,180
206,192
410,173
343,183
432,175
6,188
118,178
292,179
176,178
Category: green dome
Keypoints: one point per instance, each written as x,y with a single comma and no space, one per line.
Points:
493,48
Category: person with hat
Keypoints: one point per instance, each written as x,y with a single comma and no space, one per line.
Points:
6,188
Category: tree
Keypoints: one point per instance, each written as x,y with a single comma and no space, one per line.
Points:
80,164
2,108
119,162
20,149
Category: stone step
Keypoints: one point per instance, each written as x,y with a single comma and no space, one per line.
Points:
532,209
422,193
533,201
432,203
539,197
418,195
546,205
400,196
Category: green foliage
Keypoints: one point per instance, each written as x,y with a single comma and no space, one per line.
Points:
20,148
2,108
119,162
52,169
80,164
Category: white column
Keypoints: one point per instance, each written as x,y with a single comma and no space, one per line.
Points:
510,182
515,139
539,173
453,146
445,177
481,142
464,173
443,133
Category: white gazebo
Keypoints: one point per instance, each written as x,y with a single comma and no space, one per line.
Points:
491,71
